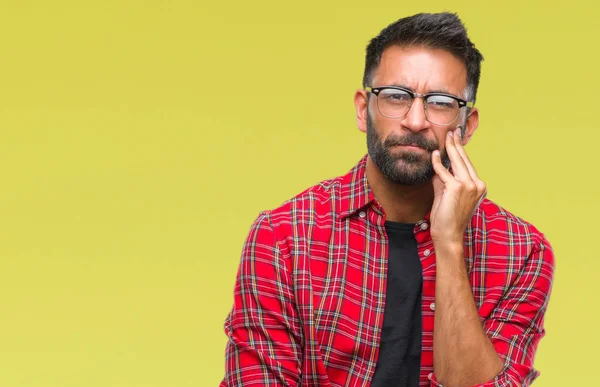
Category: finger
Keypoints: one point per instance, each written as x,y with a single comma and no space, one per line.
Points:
438,186
479,185
463,154
441,171
458,165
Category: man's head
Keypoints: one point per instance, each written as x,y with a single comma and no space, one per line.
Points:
422,54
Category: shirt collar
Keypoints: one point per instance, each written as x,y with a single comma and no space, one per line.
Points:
355,193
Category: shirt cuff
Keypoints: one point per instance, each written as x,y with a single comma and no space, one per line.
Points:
515,375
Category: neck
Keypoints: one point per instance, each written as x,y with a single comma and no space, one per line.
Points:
401,203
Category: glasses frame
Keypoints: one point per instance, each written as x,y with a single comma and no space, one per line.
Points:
461,102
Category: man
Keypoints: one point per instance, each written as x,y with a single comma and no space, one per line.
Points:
399,273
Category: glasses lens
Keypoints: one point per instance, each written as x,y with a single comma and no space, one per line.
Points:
441,110
393,103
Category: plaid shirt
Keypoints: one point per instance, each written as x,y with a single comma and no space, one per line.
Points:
310,292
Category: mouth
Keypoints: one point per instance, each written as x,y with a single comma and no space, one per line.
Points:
412,147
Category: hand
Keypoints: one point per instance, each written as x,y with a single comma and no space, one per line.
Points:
456,194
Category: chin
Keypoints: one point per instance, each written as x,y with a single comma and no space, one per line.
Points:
411,165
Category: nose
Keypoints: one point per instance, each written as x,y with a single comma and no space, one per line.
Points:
415,119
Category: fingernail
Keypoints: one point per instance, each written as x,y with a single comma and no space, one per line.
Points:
436,153
450,133
458,131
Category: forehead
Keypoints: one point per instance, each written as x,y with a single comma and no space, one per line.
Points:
421,69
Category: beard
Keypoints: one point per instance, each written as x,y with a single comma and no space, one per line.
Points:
405,167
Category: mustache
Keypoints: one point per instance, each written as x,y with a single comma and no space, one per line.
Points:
411,139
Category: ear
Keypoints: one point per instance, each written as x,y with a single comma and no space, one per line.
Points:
361,104
471,125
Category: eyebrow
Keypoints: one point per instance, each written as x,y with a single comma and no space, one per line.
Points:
440,90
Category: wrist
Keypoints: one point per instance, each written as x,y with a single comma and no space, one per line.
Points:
449,253
448,244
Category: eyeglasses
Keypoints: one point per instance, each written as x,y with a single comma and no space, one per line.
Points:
440,108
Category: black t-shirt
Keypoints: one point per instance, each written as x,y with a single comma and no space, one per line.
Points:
399,361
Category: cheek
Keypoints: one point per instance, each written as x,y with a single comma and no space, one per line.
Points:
440,136
380,123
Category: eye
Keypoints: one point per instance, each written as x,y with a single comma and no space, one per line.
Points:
395,96
442,102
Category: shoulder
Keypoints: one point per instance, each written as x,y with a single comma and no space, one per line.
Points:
501,225
315,201
323,202
313,205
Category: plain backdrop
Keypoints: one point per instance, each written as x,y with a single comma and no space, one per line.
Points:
139,140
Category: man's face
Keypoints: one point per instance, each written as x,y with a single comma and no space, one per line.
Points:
401,148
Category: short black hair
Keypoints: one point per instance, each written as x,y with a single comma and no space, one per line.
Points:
433,30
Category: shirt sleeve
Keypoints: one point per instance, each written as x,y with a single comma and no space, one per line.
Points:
263,327
516,325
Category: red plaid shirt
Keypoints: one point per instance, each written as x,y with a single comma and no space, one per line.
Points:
310,292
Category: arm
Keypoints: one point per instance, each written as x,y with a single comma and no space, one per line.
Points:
263,326
463,355
501,351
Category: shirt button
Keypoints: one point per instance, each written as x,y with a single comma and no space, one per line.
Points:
362,214
427,252
424,226
432,306
430,376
